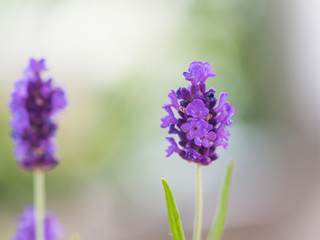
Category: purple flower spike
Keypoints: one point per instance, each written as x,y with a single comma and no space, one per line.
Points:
33,104
199,72
26,226
197,109
202,122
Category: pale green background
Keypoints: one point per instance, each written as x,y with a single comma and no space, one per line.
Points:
117,61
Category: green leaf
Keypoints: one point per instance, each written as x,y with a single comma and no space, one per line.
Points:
221,212
173,213
75,237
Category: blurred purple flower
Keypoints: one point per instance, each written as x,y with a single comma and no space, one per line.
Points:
201,126
26,226
33,104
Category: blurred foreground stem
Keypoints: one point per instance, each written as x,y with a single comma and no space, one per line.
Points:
39,202
198,210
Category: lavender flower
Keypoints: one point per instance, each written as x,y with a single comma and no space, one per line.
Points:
34,102
201,125
26,226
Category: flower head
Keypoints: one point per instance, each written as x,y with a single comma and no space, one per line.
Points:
33,104
26,226
201,125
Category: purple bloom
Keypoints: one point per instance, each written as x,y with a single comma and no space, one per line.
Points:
210,95
195,129
37,66
199,72
173,147
224,119
26,226
197,109
205,139
193,155
173,99
34,102
222,99
202,122
170,119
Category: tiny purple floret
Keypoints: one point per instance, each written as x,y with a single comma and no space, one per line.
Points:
199,72
205,139
174,99
173,147
193,155
195,128
169,119
197,109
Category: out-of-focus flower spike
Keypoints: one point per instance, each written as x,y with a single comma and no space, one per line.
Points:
25,229
33,104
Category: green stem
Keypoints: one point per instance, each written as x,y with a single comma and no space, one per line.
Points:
39,202
198,210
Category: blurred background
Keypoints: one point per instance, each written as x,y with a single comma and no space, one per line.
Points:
117,61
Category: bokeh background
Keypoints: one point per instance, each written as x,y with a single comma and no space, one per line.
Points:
118,60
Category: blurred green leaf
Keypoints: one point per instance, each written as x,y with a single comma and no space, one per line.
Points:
221,213
173,213
75,237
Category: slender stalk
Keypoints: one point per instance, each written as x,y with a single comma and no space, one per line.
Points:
39,202
198,210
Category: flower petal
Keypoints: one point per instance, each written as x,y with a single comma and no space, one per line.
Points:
191,134
205,142
186,126
198,141
211,136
